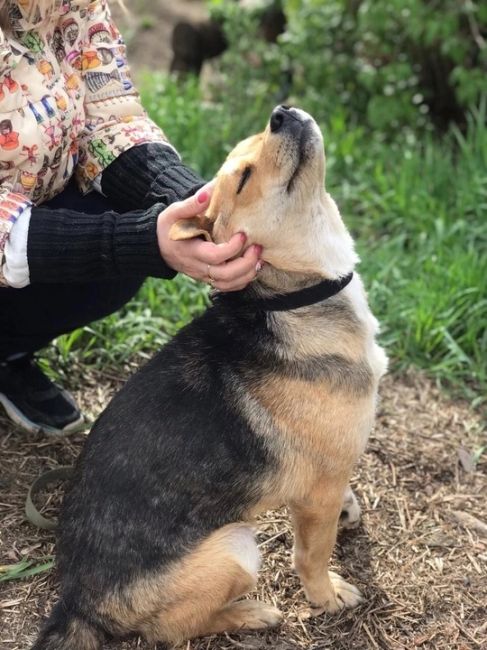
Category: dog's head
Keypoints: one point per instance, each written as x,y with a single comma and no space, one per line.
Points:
271,187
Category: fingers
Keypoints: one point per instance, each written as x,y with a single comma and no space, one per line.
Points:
226,265
191,206
235,275
214,254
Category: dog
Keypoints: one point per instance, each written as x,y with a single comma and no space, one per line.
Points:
266,399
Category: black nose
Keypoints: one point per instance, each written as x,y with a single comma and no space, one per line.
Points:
278,117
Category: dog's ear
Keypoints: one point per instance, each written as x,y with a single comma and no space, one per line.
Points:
200,226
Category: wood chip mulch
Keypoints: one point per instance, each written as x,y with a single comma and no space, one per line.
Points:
419,554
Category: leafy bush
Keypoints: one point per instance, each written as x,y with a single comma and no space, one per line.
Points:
420,217
389,63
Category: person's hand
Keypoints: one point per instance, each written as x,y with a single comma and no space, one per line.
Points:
204,260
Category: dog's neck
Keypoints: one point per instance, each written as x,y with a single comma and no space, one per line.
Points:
327,248
305,297
314,246
270,281
323,241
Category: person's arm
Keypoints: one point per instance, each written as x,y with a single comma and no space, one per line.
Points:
120,144
62,245
13,205
146,174
70,246
51,246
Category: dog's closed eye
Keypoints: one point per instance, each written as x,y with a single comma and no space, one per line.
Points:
244,178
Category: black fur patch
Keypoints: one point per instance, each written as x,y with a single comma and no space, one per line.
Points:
244,178
169,461
172,459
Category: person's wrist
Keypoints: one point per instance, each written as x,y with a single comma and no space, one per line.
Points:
162,230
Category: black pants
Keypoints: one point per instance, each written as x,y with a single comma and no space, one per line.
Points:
32,317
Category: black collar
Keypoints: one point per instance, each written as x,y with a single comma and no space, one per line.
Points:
295,299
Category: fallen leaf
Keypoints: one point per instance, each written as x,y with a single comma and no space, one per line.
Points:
466,459
469,521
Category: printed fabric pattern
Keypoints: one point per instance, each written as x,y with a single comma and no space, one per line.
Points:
67,102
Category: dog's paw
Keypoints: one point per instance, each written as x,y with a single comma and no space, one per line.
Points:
254,615
344,596
350,514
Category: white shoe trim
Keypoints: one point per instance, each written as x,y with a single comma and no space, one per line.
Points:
23,421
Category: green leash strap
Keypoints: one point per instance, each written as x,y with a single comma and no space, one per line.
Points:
31,512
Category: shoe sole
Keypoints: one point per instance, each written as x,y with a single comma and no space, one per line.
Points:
24,423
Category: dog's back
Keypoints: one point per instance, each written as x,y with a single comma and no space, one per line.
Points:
171,458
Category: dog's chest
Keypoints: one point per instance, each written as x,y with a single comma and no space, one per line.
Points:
308,420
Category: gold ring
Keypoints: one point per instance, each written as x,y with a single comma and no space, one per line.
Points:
209,280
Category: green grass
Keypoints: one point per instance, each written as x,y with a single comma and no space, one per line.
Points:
24,569
153,316
416,206
419,214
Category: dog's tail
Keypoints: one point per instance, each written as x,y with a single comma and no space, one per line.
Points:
67,631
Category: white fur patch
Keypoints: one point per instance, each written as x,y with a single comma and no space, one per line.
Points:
303,114
244,549
376,356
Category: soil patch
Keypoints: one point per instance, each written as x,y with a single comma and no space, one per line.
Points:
147,29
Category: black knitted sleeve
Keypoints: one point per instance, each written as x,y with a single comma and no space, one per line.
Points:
68,246
147,174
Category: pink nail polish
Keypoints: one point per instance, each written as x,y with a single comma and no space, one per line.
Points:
258,249
202,197
259,266
243,237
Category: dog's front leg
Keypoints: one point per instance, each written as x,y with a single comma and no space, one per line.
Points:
315,528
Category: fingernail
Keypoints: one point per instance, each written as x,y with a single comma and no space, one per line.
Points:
202,197
258,249
259,266
243,237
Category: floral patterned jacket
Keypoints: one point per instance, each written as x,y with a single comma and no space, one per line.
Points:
67,103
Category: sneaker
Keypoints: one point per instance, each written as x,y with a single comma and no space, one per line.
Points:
34,402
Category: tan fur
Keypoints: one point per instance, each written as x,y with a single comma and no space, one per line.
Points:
315,453
324,430
315,523
77,635
196,597
340,332
191,228
315,526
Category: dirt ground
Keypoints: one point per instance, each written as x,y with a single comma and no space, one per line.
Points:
419,554
147,28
